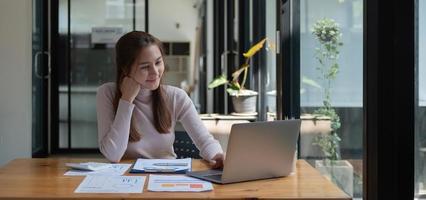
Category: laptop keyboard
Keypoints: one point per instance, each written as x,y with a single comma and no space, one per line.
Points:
215,176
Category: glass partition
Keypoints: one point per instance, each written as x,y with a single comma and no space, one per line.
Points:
87,61
420,104
271,66
331,93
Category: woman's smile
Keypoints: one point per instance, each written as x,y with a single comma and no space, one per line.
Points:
151,80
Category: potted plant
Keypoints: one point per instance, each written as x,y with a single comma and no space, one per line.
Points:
327,32
243,99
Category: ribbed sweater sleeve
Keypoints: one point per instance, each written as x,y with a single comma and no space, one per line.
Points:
188,116
113,129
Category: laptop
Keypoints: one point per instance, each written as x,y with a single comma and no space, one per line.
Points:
256,150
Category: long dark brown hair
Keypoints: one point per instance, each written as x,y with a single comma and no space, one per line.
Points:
127,50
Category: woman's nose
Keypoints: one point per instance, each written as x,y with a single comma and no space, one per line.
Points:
153,70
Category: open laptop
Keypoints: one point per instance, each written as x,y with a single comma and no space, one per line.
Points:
256,150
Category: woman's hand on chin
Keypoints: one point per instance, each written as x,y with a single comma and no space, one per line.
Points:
129,89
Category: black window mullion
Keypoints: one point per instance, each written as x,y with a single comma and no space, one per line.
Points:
218,48
147,16
134,15
289,62
69,72
243,32
279,59
54,86
40,46
203,70
259,67
230,47
388,99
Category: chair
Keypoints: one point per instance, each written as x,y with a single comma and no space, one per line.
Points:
184,147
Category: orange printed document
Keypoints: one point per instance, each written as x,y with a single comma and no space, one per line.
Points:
177,183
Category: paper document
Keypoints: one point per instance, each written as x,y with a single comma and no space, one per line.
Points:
177,183
113,169
89,166
111,184
162,165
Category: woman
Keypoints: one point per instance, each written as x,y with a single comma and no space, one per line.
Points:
137,115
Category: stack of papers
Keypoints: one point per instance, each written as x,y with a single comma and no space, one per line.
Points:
111,184
177,183
89,166
162,166
112,169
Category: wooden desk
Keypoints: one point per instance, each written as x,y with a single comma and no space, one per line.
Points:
44,179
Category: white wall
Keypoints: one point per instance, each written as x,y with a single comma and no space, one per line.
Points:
15,79
164,15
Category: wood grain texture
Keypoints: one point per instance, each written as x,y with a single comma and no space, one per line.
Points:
44,179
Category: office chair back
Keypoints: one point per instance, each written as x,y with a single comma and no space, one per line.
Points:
184,147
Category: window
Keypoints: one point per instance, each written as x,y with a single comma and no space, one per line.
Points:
270,77
331,79
85,61
420,102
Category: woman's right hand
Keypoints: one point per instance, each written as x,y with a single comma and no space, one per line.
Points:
217,161
129,89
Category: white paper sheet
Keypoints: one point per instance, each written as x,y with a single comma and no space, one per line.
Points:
172,164
114,169
111,184
177,183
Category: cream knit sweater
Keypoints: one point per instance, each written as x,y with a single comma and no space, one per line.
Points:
113,130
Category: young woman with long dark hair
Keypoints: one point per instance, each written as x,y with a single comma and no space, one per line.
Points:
137,114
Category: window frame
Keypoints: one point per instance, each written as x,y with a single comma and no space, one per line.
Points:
388,93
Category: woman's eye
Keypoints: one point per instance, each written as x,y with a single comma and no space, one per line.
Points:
144,67
158,62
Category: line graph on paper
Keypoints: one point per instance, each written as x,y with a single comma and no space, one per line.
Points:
111,184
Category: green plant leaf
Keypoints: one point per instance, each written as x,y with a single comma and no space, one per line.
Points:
231,91
328,34
218,81
254,49
235,85
237,73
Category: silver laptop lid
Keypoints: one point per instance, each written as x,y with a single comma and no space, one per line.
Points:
260,150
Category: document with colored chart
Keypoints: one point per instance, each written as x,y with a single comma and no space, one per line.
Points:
177,183
111,184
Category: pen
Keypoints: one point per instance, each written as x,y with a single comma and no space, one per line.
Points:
148,169
170,164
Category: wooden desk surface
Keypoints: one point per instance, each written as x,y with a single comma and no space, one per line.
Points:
44,179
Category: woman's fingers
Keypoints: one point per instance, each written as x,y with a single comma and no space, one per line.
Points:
218,161
129,89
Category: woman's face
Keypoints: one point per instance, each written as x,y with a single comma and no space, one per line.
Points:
148,67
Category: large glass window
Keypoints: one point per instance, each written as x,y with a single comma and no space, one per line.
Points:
420,104
87,61
331,60
270,76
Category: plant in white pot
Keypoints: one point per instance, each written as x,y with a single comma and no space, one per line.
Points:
243,99
327,33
